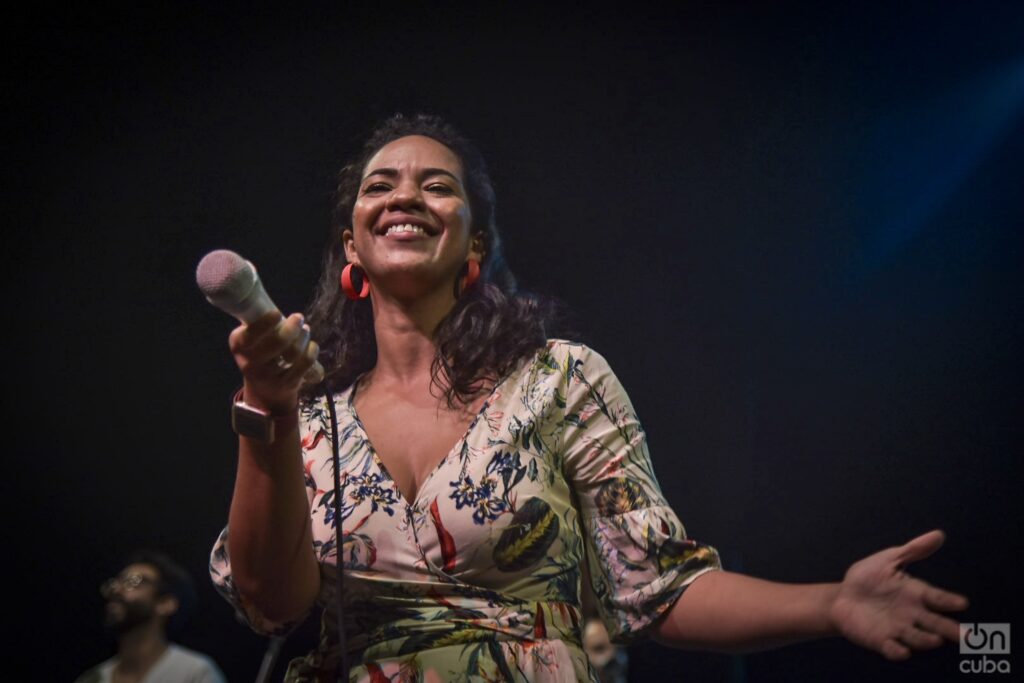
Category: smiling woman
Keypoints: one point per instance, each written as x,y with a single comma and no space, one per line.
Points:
456,468
488,328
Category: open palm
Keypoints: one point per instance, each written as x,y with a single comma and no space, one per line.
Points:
881,607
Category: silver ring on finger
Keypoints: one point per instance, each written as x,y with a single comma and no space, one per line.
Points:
282,364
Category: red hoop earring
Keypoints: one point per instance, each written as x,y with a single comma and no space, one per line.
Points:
472,274
347,286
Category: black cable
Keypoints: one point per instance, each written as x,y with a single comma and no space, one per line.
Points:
269,658
339,555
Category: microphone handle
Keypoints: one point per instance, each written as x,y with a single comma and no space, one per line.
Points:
256,304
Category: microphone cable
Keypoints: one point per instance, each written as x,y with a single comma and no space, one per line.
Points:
339,555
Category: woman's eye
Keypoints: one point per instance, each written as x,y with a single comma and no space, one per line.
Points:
438,188
376,187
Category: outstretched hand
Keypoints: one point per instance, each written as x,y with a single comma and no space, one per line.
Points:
881,607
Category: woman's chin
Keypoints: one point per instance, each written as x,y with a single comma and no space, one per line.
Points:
412,274
412,283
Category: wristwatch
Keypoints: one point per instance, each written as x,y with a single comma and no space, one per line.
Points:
257,424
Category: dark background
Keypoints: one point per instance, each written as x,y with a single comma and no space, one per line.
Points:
794,231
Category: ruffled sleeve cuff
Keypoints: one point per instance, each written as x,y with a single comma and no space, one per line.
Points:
640,565
220,573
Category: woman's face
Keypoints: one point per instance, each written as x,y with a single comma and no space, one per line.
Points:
411,220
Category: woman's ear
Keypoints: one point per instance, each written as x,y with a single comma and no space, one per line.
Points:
477,247
349,243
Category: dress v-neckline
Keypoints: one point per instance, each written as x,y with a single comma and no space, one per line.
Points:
365,436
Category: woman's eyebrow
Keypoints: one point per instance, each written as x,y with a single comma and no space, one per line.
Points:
389,172
425,173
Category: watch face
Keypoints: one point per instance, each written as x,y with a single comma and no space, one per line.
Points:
252,423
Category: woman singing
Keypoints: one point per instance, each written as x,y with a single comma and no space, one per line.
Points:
479,466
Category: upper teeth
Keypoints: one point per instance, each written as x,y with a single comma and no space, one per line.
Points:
408,227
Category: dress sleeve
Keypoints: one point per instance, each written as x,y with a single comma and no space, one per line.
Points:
311,433
639,557
220,572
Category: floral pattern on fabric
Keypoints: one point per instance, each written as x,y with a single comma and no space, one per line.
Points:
478,578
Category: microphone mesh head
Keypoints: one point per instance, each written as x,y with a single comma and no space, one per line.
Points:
223,275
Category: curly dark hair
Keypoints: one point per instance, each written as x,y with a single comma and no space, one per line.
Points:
490,328
174,580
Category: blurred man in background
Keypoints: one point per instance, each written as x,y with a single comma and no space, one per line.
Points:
151,597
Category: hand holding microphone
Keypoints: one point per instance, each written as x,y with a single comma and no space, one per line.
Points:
274,353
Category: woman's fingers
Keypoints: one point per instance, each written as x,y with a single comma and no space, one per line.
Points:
243,337
919,639
274,354
295,336
270,345
894,650
301,365
921,547
282,340
939,625
944,601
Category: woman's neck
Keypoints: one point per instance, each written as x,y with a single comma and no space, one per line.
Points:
405,336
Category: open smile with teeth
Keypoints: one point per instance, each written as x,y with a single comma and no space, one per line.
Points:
405,228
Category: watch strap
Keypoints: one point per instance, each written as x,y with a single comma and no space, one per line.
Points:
256,423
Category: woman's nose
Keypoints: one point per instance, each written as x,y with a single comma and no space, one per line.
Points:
404,195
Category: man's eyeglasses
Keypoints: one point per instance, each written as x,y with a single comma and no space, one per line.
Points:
126,582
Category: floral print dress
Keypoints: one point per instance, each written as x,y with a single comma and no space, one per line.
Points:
478,578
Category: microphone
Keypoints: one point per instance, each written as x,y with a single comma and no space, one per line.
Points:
231,283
